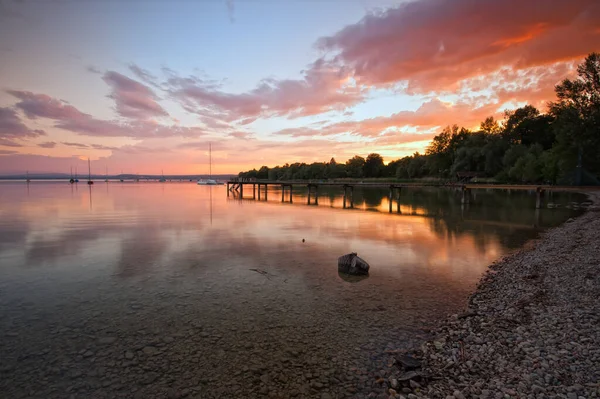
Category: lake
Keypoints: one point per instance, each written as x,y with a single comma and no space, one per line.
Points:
148,290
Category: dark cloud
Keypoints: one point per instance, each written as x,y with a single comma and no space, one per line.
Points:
47,144
103,147
93,69
9,143
77,145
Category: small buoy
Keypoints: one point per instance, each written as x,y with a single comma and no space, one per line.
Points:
303,240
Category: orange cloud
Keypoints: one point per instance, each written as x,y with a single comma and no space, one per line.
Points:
434,44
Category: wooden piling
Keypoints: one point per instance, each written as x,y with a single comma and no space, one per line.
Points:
345,196
539,200
466,195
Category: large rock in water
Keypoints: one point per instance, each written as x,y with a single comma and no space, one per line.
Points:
353,264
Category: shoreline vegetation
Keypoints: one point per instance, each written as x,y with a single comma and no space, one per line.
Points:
526,147
530,328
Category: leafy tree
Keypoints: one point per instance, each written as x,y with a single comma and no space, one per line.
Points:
355,166
373,166
577,113
417,166
490,126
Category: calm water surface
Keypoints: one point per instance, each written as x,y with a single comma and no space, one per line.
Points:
146,289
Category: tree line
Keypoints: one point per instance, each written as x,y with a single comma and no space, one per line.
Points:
561,146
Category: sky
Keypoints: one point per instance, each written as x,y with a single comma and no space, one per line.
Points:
144,86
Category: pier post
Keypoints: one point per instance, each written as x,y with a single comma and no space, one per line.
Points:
351,196
466,195
539,200
266,190
391,198
345,195
282,192
253,190
241,190
316,195
291,197
398,199
227,189
308,196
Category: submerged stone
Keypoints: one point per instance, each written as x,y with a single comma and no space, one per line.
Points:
353,264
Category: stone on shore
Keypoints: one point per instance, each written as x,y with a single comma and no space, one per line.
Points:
353,264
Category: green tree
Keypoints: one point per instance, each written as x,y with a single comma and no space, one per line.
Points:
373,166
577,113
354,166
490,126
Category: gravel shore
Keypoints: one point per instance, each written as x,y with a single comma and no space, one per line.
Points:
532,329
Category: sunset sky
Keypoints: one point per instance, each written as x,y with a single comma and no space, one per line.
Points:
144,86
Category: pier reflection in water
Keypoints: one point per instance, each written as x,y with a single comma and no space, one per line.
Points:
142,288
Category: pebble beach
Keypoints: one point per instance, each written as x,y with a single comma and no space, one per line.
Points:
531,329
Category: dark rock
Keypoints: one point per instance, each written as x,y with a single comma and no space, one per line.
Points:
410,375
352,264
408,362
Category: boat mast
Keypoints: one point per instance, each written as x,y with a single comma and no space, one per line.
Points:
210,160
89,170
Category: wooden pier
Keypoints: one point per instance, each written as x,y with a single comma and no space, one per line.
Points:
395,190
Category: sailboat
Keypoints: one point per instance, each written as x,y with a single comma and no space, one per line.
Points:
72,180
89,173
209,181
76,178
106,175
162,179
28,179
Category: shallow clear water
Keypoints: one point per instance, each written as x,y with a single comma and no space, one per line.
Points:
146,289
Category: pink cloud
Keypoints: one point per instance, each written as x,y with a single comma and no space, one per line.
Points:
11,126
43,106
47,144
9,143
323,88
431,114
70,118
434,44
133,99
